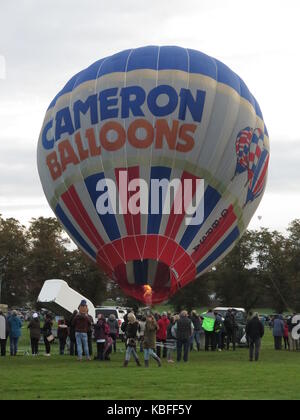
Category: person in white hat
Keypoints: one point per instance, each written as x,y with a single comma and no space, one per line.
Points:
35,333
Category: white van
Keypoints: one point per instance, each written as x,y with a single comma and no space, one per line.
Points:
118,311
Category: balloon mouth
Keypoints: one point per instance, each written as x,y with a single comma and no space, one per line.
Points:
147,260
149,281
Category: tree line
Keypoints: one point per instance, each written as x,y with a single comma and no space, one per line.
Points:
262,271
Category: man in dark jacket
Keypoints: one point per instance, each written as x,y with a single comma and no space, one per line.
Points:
35,333
184,330
62,335
230,327
73,345
255,332
197,329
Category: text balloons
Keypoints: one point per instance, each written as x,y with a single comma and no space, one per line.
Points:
154,160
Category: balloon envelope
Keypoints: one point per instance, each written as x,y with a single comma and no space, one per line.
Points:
145,118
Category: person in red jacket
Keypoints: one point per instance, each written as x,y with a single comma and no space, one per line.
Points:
161,335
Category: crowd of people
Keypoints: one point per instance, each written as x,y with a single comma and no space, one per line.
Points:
156,336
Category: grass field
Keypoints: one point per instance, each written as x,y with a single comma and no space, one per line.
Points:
225,375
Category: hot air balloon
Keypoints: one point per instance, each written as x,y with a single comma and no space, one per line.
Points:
168,117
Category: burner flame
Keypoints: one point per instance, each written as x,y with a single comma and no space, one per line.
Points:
148,293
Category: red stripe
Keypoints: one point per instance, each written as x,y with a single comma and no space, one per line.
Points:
151,245
121,274
132,222
115,258
218,233
175,220
258,152
73,203
251,157
261,180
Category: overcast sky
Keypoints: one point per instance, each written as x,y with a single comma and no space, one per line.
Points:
44,43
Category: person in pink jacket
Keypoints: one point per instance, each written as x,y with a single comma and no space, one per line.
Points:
161,335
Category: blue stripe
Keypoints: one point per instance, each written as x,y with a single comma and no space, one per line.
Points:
73,232
202,64
228,77
154,220
140,269
260,165
211,199
245,93
256,138
108,221
115,64
173,58
170,58
257,109
143,58
233,236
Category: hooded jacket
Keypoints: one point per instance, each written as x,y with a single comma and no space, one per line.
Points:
15,325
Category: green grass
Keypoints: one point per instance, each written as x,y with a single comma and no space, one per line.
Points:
226,375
